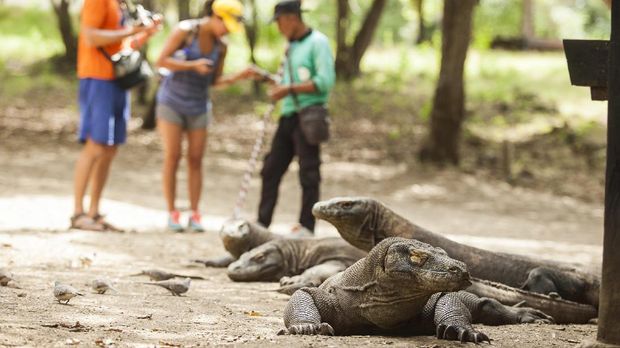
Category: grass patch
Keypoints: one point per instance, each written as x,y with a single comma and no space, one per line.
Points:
28,35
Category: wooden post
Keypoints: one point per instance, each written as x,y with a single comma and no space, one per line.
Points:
609,305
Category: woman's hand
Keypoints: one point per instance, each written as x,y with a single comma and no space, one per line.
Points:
156,25
256,73
248,73
278,92
202,66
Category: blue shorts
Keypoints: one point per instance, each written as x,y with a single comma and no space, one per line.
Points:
104,112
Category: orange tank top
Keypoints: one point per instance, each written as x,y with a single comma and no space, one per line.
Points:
98,14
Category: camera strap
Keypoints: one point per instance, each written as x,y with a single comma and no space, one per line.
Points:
105,54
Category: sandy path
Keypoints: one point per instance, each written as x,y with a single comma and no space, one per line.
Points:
35,187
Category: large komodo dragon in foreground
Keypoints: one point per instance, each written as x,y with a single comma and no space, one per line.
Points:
295,262
402,287
364,222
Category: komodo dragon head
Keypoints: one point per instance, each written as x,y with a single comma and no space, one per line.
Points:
401,275
263,263
239,236
409,263
354,217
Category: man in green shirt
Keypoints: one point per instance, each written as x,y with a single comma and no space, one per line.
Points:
313,75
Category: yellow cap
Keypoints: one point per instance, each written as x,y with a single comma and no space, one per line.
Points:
231,12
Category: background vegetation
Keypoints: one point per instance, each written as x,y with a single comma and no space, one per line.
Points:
524,123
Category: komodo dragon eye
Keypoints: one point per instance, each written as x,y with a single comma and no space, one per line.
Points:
417,257
346,205
258,258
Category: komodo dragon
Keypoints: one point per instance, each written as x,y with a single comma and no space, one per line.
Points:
295,262
364,222
562,311
239,236
298,263
402,287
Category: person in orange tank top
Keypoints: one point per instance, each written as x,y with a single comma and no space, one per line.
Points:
104,107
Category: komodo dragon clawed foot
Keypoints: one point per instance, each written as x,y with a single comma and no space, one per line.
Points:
288,285
461,333
531,315
309,329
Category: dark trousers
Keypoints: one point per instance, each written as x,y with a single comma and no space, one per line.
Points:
287,143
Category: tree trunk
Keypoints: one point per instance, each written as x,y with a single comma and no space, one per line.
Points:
422,31
183,9
149,120
448,112
342,49
348,58
251,34
146,95
364,37
608,3
527,20
69,39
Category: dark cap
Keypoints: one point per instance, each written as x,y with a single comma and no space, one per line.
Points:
286,7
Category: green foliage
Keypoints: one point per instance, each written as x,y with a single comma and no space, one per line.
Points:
496,18
28,34
396,73
553,19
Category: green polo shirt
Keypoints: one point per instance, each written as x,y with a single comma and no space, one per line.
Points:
311,59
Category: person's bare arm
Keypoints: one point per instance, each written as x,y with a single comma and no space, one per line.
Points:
174,41
102,37
222,81
278,92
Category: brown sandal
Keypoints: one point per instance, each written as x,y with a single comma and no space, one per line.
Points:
86,223
100,219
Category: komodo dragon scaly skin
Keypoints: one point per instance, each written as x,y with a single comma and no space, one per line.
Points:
562,311
400,288
295,262
239,236
308,262
364,222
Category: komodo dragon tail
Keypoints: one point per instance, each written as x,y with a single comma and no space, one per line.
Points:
563,311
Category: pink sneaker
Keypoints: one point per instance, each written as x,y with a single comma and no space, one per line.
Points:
174,221
194,222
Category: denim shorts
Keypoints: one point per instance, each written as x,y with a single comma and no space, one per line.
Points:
188,122
104,112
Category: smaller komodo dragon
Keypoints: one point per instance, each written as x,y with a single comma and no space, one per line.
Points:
364,222
295,262
403,287
239,236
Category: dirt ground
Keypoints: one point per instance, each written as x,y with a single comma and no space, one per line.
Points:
35,202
